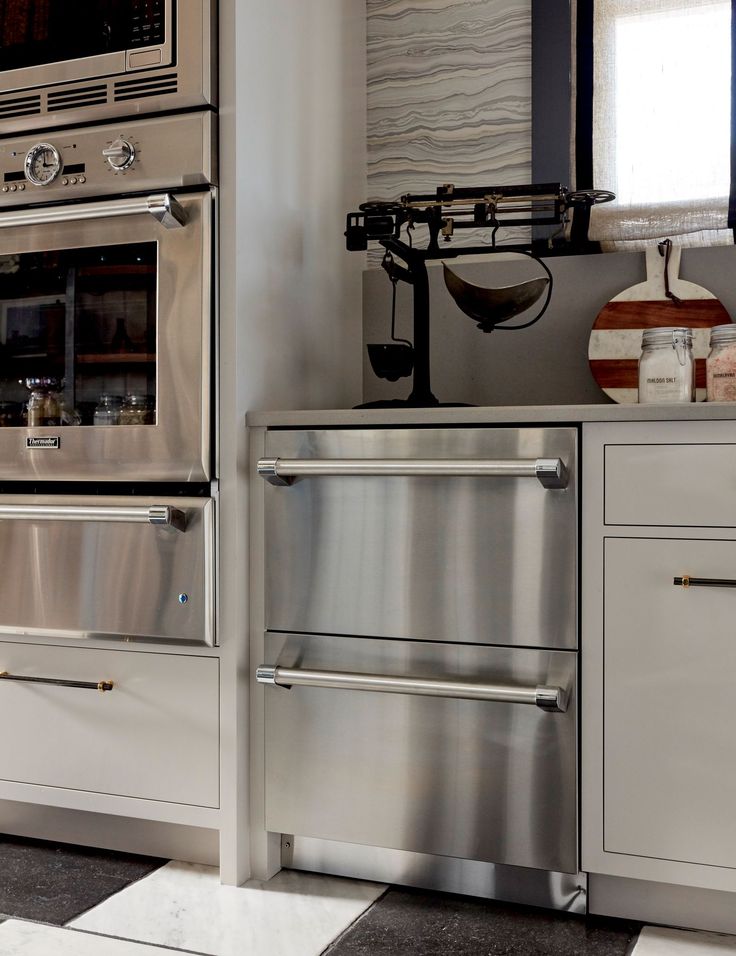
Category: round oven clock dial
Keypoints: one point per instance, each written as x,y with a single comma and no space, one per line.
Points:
43,164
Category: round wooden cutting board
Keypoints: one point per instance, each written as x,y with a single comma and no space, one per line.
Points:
615,340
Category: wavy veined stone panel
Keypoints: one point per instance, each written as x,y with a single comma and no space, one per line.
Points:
449,95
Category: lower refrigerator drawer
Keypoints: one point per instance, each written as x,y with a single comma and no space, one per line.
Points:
151,731
381,743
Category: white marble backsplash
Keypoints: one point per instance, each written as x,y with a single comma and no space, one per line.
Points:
449,94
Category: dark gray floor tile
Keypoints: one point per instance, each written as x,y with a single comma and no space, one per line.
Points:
409,923
53,883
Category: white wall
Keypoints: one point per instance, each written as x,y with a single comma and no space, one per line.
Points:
292,161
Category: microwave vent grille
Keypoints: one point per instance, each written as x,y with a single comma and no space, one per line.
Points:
20,106
146,86
78,96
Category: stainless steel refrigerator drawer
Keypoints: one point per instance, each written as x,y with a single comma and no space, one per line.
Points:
449,534
150,731
123,568
444,749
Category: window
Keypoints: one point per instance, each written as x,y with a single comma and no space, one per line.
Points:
661,131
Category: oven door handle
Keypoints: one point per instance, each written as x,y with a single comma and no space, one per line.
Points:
173,519
163,207
553,699
550,472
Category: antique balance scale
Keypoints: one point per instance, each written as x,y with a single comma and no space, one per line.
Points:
451,209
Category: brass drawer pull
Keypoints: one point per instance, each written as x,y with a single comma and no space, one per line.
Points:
686,581
102,685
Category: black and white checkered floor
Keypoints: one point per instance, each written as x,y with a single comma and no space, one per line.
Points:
72,901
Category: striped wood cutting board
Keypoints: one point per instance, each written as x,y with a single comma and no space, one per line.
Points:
615,340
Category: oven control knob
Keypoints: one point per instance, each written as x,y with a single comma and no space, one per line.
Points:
120,154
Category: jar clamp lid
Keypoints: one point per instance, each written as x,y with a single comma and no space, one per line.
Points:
723,334
669,336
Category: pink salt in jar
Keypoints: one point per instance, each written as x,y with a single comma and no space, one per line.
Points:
721,364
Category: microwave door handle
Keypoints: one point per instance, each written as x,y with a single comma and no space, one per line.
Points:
164,207
164,516
552,699
549,472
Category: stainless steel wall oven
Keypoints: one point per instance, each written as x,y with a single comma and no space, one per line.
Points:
63,62
106,305
107,267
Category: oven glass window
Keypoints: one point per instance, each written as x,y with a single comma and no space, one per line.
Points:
78,337
35,32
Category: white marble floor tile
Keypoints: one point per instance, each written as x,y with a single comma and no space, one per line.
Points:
183,905
19,938
657,941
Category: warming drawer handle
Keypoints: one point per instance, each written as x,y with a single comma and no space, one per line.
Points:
550,472
548,698
689,582
174,519
101,685
163,206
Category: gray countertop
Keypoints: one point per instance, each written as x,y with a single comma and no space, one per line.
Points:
501,415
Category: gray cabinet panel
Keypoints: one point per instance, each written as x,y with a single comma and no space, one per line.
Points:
673,485
669,732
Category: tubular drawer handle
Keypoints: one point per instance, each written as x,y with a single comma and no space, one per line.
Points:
550,472
163,207
688,582
102,685
547,698
160,515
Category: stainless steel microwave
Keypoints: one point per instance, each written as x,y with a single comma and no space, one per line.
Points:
63,63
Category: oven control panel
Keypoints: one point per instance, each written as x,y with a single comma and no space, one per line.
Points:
136,156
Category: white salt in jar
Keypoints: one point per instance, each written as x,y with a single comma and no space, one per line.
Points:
720,367
666,366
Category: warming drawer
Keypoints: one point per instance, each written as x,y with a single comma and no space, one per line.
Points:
128,568
447,749
441,534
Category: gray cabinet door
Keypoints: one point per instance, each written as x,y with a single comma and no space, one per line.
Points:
669,729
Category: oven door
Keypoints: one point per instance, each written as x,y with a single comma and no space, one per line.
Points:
105,328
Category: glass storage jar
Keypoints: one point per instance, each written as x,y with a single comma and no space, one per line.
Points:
44,405
137,410
720,366
667,366
108,410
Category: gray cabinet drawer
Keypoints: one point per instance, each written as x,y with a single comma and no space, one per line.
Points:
669,664
481,780
677,485
486,560
153,736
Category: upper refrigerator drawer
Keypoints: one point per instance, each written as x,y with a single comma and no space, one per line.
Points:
450,534
133,569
